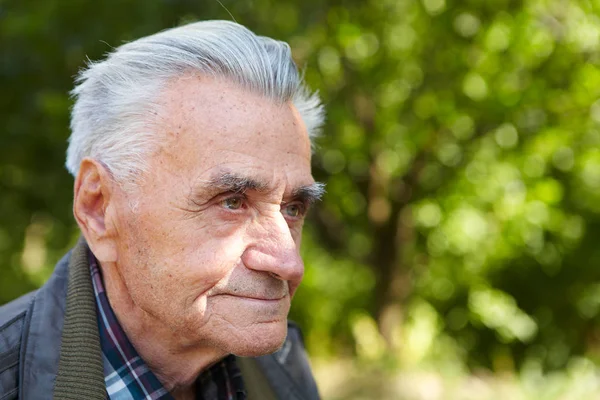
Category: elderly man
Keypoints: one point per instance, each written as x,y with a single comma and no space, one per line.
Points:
191,151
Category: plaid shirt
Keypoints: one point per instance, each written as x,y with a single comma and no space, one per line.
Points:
128,377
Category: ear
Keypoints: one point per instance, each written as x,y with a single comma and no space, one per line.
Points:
93,191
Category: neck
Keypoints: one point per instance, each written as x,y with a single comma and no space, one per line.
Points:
175,363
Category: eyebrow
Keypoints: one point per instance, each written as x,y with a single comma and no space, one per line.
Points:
309,194
237,183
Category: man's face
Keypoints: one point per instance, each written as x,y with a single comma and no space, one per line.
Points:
210,247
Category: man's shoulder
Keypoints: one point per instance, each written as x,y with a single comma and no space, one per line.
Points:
15,314
13,318
33,321
12,321
16,309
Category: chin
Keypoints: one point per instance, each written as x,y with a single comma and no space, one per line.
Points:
261,340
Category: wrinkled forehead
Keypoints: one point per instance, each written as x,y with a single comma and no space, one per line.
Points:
218,111
204,123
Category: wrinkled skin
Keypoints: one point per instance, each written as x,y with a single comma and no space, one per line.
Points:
195,271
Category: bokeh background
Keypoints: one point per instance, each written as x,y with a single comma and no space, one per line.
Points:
456,254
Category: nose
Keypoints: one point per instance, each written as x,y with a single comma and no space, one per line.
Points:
272,249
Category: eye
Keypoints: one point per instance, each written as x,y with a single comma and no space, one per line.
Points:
233,203
294,210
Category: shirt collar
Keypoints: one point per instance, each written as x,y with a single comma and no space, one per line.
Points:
125,372
128,377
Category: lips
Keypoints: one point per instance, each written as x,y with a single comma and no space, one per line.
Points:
265,289
255,296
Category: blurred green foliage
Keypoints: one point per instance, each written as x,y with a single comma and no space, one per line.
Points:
461,153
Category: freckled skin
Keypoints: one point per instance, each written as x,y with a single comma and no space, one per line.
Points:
186,276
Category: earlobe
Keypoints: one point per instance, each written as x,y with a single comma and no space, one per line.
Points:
91,201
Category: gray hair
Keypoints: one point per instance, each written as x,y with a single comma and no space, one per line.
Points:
115,97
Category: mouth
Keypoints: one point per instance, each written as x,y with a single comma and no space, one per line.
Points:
256,298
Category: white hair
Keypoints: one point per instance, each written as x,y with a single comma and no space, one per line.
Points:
114,98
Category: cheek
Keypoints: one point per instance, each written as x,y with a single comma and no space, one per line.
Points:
296,230
174,261
200,265
297,236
